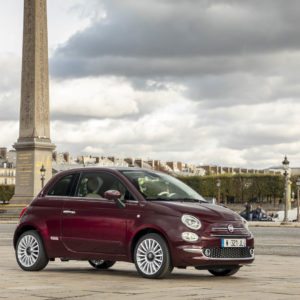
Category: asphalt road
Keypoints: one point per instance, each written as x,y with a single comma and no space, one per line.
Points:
277,241
268,240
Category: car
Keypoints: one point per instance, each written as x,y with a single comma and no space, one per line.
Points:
151,219
264,217
292,215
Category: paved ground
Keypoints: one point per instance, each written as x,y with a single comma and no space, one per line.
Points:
270,277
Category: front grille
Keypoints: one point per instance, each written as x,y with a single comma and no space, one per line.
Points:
219,252
226,228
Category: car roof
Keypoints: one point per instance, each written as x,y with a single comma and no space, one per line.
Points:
96,168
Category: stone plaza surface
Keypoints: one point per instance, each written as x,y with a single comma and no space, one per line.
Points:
270,277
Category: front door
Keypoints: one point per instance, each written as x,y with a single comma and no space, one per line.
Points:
91,223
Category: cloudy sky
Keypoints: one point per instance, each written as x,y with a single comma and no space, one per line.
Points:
205,82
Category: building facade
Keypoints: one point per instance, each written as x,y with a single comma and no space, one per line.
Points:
7,173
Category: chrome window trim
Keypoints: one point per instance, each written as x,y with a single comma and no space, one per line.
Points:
51,196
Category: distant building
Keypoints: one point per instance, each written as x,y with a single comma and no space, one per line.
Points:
63,161
295,171
218,170
7,166
275,170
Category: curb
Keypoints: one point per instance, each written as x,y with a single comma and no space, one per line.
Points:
8,222
274,224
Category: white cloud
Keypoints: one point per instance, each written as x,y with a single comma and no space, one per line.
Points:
92,150
93,97
8,133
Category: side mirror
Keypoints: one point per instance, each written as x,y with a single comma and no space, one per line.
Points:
115,195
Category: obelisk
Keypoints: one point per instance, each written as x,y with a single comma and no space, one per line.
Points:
34,147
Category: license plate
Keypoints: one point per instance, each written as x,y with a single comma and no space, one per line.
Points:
236,243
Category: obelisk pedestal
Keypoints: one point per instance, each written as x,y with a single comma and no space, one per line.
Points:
34,147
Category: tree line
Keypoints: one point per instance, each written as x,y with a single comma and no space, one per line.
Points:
240,188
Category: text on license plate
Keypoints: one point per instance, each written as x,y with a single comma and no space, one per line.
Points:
233,243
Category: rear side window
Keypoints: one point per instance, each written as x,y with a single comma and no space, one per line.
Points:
62,187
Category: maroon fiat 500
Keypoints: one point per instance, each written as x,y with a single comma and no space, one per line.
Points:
135,215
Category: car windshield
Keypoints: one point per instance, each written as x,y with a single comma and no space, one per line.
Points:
160,186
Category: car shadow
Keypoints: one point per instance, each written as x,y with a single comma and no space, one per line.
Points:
115,273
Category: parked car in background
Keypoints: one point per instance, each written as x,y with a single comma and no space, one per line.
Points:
151,219
255,217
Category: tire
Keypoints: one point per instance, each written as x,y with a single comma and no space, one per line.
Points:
101,264
224,272
152,257
30,252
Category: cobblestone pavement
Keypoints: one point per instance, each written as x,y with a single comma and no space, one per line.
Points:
270,277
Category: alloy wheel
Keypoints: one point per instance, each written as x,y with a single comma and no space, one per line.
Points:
97,262
149,256
28,251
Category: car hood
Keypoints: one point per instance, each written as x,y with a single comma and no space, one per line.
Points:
205,212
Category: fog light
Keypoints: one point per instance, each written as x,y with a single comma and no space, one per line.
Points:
252,252
189,236
207,252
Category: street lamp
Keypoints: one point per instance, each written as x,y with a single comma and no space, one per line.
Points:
43,172
285,164
298,198
219,190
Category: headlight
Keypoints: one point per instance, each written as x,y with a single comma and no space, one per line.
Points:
189,236
191,222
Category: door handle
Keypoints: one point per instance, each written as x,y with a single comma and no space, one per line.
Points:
69,212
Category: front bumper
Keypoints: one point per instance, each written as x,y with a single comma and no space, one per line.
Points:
209,252
217,253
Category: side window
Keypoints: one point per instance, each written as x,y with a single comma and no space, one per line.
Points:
62,187
90,186
94,185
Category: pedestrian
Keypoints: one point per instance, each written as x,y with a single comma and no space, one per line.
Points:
248,211
258,213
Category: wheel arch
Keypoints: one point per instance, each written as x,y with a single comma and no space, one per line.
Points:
143,232
24,229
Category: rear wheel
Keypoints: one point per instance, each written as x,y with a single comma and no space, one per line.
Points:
152,257
101,264
224,272
30,252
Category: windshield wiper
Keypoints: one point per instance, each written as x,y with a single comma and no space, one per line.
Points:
190,200
159,199
175,199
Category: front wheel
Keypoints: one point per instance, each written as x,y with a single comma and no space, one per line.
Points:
101,264
224,272
152,257
30,252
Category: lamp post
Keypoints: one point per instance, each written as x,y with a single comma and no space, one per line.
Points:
43,172
298,198
285,164
219,190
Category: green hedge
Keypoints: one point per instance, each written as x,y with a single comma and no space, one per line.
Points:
6,192
239,188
